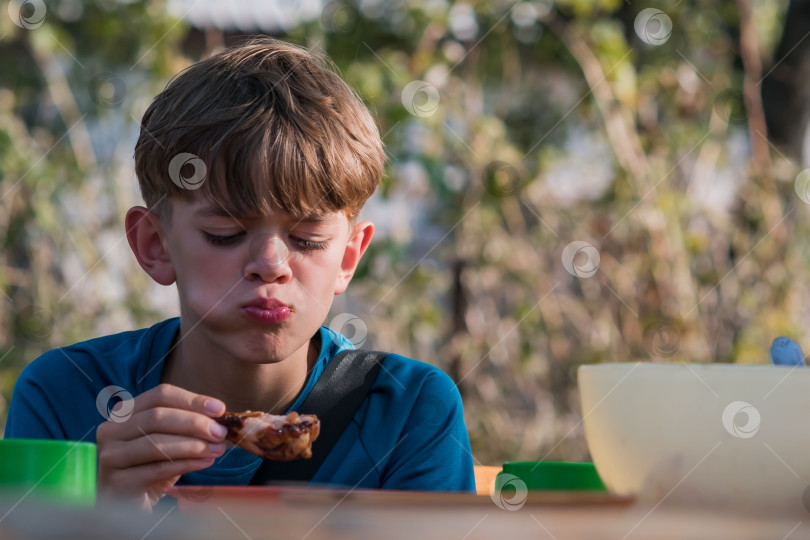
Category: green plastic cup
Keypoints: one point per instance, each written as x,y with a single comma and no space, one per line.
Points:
552,475
60,472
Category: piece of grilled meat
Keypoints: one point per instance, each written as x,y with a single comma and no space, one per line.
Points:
280,438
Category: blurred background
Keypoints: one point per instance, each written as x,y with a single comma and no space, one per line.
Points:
569,182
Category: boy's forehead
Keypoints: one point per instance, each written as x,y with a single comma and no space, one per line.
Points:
210,209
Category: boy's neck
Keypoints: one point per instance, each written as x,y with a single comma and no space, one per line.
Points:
267,387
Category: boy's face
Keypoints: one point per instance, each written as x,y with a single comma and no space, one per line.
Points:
259,287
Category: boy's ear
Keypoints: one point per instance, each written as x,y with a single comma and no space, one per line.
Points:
359,239
146,235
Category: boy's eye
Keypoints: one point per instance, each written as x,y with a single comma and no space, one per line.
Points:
309,245
306,245
222,240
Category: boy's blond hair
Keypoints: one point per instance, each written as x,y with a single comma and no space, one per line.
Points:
275,128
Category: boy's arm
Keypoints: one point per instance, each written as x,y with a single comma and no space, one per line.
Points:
433,452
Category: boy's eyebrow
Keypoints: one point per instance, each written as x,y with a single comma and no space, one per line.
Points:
214,211
311,218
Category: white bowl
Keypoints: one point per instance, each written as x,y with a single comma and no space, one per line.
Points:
697,434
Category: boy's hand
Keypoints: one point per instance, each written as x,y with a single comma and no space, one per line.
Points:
170,433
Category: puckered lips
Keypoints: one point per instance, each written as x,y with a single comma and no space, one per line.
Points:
267,310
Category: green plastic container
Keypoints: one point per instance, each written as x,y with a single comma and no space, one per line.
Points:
61,472
552,475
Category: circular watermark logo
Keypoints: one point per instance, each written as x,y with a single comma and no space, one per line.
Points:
653,26
508,492
749,426
28,14
662,339
420,98
339,17
731,105
34,323
802,186
115,403
187,171
357,330
272,252
501,179
580,259
108,90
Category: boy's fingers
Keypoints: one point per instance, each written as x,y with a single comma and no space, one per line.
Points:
162,420
166,432
155,448
167,395
142,478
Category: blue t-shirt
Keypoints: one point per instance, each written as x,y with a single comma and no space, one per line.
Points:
409,432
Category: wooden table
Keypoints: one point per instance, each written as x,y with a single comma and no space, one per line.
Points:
315,514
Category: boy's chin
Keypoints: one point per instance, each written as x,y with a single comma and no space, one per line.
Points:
269,351
249,344
262,356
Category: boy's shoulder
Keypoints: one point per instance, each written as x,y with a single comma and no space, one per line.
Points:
58,395
399,374
125,357
411,391
415,375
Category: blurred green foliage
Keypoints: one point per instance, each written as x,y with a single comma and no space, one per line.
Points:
554,123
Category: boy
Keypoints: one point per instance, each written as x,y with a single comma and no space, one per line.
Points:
253,164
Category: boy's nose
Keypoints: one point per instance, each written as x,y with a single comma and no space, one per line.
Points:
268,258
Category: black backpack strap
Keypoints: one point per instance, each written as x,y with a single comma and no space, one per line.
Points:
335,399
